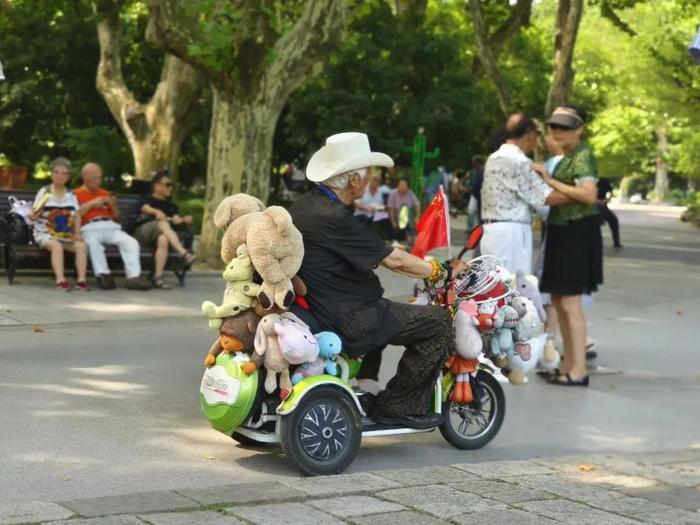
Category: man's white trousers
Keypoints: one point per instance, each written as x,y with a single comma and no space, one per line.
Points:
511,242
99,234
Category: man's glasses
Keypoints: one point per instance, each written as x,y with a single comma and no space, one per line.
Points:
559,127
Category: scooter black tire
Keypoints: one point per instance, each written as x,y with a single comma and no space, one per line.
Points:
492,391
322,435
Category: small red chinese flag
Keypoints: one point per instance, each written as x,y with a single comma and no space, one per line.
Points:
433,226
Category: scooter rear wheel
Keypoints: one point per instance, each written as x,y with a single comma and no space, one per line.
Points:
473,425
322,435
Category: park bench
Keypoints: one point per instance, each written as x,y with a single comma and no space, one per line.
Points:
27,257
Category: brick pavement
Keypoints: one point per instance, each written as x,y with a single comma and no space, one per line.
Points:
658,488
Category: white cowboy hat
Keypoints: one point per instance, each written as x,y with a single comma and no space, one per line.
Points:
344,152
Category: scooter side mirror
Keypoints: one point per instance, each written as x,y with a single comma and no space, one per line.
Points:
474,237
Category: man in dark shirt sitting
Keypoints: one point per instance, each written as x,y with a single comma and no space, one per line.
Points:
340,255
157,226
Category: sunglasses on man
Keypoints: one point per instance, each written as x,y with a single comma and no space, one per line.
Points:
559,127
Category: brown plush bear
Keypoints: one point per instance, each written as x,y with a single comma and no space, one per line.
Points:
275,245
237,334
299,288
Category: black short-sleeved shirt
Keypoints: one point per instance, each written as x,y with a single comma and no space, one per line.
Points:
340,254
168,207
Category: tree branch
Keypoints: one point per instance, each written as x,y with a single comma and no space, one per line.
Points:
486,57
519,17
568,20
166,32
315,34
109,81
177,94
607,11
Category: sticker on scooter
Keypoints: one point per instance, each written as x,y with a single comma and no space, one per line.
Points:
219,387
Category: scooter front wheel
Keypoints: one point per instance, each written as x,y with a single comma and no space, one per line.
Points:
322,435
473,425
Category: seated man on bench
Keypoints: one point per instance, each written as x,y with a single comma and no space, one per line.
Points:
99,209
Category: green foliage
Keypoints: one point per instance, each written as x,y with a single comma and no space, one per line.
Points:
393,74
191,205
49,55
100,142
49,105
637,80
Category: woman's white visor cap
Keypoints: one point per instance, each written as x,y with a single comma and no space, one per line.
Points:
344,152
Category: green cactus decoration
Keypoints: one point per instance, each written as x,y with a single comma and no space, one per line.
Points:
419,156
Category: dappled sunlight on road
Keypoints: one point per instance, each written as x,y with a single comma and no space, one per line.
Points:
104,370
120,308
606,438
111,386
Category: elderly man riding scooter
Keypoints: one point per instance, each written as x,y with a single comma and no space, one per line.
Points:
344,293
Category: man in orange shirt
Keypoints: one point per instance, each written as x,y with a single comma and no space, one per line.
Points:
98,209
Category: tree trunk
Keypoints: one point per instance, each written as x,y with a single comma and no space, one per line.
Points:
566,32
661,183
240,149
487,58
155,130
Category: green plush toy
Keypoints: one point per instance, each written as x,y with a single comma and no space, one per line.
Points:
240,290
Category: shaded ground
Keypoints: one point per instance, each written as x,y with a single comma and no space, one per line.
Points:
110,407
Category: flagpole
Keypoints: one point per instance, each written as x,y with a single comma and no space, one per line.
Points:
446,206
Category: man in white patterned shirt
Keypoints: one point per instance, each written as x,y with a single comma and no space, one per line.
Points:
512,191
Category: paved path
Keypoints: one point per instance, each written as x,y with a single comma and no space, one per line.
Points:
100,404
597,490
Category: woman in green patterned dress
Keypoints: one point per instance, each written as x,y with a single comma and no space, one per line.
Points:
573,260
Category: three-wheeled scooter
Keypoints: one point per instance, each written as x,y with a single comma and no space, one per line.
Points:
321,423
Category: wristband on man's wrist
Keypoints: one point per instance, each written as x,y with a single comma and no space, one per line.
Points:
447,276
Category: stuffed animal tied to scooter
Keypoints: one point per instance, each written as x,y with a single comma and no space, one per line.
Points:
267,351
468,345
240,291
236,336
330,346
276,246
297,343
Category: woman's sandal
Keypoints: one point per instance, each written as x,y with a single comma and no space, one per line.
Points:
557,380
160,284
188,258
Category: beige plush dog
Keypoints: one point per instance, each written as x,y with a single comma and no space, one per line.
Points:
275,245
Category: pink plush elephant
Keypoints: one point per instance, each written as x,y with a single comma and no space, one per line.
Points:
296,341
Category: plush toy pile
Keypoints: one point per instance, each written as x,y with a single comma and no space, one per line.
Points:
252,319
500,315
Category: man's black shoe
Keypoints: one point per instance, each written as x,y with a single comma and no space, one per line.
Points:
367,401
106,282
417,422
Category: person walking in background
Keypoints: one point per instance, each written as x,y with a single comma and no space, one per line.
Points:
606,214
99,211
474,182
511,191
573,259
403,211
155,226
57,225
